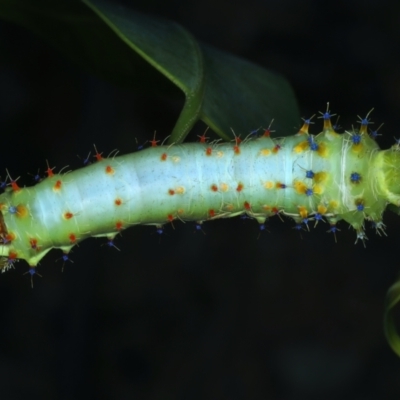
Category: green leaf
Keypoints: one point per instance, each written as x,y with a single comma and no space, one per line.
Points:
393,208
224,91
392,299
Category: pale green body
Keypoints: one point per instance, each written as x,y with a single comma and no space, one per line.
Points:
261,177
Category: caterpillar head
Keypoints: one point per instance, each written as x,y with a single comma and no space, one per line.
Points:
388,174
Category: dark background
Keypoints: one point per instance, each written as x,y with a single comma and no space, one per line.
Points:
229,314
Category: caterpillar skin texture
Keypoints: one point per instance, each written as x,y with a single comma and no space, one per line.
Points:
330,176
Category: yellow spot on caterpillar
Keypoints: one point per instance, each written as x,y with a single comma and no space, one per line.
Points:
229,207
333,204
268,185
181,211
266,207
303,211
320,177
22,211
357,148
3,207
219,154
180,190
322,149
301,147
265,152
317,189
322,209
175,159
224,187
300,187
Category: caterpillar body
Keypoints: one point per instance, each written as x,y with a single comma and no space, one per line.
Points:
329,177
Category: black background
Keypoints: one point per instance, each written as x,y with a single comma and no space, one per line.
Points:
229,314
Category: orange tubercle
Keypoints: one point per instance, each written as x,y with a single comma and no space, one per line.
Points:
57,186
10,237
22,211
110,170
68,215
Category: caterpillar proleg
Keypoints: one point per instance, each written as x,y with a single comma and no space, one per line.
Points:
328,177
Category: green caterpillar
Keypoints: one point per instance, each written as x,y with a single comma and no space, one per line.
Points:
329,177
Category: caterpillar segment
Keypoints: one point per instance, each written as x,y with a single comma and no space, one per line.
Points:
327,177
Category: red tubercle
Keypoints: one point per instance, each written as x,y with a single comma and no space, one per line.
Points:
247,206
214,187
154,141
203,138
208,151
72,238
117,201
15,186
98,156
13,183
240,187
171,192
34,244
268,131
236,148
164,156
211,213
118,225
49,171
170,217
